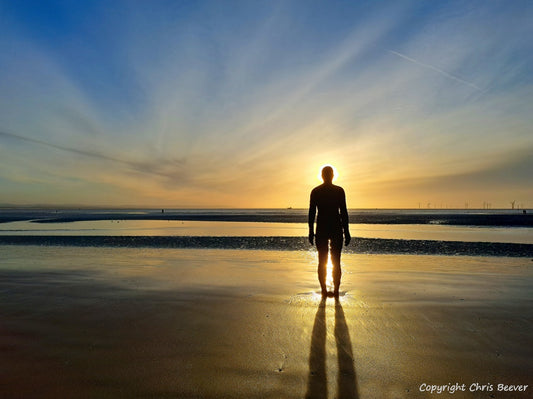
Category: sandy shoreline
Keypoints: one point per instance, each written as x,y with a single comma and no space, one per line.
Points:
195,323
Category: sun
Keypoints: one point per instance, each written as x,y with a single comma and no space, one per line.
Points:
335,173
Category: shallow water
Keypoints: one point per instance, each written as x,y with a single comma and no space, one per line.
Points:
167,228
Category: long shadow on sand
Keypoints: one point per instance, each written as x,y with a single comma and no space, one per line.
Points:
317,383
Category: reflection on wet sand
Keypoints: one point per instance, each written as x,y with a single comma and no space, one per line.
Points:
317,383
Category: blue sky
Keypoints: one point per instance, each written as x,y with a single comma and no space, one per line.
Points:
239,104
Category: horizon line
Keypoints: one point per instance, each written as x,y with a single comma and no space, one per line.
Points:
152,208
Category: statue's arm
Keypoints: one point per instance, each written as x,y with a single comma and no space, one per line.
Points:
344,219
311,217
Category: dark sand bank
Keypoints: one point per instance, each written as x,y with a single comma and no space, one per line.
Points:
359,245
137,323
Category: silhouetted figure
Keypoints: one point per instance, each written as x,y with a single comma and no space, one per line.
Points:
331,226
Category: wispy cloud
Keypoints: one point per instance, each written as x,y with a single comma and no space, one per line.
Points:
203,105
139,166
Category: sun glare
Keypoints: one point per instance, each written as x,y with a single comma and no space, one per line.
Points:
329,274
335,173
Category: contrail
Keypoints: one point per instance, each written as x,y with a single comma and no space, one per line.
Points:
436,70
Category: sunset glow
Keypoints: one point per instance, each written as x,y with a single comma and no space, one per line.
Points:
335,173
329,275
214,105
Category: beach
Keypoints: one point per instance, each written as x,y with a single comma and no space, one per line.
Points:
170,169
112,322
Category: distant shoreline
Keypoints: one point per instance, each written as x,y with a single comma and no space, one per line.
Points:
80,208
491,218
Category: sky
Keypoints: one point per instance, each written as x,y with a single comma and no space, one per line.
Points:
238,104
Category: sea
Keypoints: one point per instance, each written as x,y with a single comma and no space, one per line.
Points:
374,231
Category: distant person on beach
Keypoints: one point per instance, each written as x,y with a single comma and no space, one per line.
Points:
331,227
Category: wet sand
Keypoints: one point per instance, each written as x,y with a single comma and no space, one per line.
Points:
196,323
